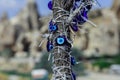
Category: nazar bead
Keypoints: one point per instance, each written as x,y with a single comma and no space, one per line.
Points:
60,40
49,46
52,27
50,5
73,61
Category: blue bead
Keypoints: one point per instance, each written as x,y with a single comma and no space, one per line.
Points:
60,40
52,27
73,62
49,46
50,5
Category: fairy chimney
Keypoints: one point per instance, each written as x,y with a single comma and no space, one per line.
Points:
34,15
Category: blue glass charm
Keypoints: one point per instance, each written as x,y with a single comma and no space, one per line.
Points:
73,62
49,46
52,27
74,76
50,5
61,40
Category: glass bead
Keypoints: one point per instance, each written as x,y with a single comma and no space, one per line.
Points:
50,5
60,40
73,62
52,27
49,46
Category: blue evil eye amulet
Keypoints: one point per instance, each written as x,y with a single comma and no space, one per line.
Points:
49,46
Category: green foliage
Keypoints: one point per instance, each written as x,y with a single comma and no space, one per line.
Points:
116,59
102,64
106,62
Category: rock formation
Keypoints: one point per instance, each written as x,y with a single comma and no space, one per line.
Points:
16,33
116,9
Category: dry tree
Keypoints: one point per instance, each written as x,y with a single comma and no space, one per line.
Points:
68,16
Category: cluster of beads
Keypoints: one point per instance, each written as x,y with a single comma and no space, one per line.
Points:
82,16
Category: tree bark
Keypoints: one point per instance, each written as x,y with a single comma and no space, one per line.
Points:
61,54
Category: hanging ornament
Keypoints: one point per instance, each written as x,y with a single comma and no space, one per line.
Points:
49,46
60,40
73,61
52,27
50,5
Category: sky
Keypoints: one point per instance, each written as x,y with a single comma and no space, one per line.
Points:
12,7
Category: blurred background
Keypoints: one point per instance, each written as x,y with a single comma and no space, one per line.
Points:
22,22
